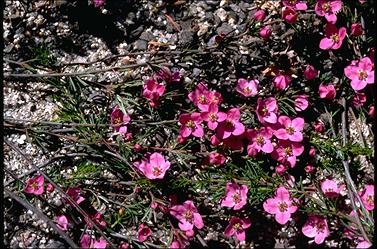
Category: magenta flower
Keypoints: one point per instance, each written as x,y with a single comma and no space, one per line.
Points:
234,142
247,88
310,72
216,158
187,215
289,15
287,152
281,206
35,185
97,219
202,97
237,227
328,9
168,76
330,188
266,110
356,29
360,73
191,125
316,227
87,242
236,196
359,99
333,37
265,32
213,117
327,91
119,120
143,233
62,222
98,3
155,167
292,129
367,197
74,193
295,4
259,15
50,188
260,140
231,125
281,82
152,90
301,103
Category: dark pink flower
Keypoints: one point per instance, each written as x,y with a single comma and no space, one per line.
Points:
213,117
362,1
202,97
191,125
237,227
330,188
98,3
247,88
319,126
367,197
312,151
265,32
87,242
281,206
309,168
327,91
280,169
371,111
292,129
287,152
359,99
266,110
215,140
74,193
50,188
35,185
152,90
295,4
259,15
62,222
301,103
260,140
310,72
281,82
119,120
328,9
143,233
316,227
216,158
236,196
187,215
333,37
231,125
124,245
168,76
234,142
99,244
155,167
360,73
356,29
289,15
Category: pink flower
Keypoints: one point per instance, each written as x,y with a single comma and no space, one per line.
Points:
356,29
359,99
168,76
312,151
292,129
330,188
327,91
236,196
259,15
213,117
310,72
50,188
87,242
371,111
62,222
35,185
363,244
281,206
295,4
281,82
237,227
316,227
333,37
155,167
301,103
124,245
247,88
360,73
152,90
260,140
328,9
234,142
216,158
191,125
99,244
287,152
187,215
289,15
119,120
362,1
266,110
74,193
309,169
280,169
265,32
231,125
202,97
98,3
319,126
143,233
367,197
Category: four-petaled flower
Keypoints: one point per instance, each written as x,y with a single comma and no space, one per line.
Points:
191,124
119,120
301,103
360,73
247,88
266,110
35,185
327,91
295,4
213,117
281,81
62,222
152,90
316,227
237,227
287,151
260,140
328,9
281,206
187,215
292,129
367,197
155,167
236,196
333,37
231,125
330,188
143,233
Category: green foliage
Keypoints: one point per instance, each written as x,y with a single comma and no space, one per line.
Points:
42,56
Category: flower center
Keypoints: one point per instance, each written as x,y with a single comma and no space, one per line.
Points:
288,151
362,74
335,38
189,215
370,199
34,185
283,206
236,198
190,124
202,99
320,226
215,99
264,111
229,124
260,140
292,2
156,171
326,7
290,130
212,117
117,120
247,90
329,190
237,226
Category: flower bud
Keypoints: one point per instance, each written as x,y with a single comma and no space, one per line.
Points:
265,32
259,15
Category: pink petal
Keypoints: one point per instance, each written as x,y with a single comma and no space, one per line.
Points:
282,194
326,43
320,238
234,114
358,85
227,202
296,137
199,132
267,147
198,221
221,116
239,129
271,118
229,230
185,131
281,134
271,206
297,149
298,123
331,18
282,217
212,125
240,235
184,225
309,230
